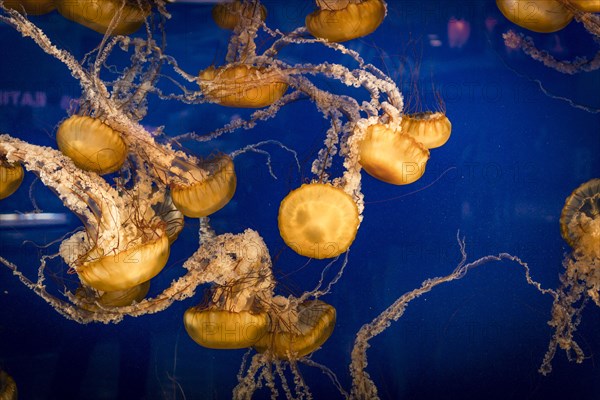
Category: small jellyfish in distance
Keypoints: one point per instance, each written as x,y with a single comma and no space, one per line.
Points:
544,16
212,186
391,156
227,15
11,176
242,85
99,15
91,144
318,220
343,20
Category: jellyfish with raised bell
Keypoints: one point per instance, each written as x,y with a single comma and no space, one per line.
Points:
343,20
318,220
431,129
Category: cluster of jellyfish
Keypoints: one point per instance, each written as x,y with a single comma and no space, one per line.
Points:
129,225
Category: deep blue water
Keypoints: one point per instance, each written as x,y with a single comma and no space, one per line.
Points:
514,156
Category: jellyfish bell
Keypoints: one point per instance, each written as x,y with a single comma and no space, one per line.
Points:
8,387
591,6
31,7
343,20
242,85
431,129
91,144
227,15
223,329
123,270
210,188
173,218
298,330
11,177
580,218
99,15
318,220
392,157
94,301
544,16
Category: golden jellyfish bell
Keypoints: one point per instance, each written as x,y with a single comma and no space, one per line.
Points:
301,334
119,298
209,191
342,20
592,6
318,220
544,16
98,14
227,15
243,86
91,144
580,218
125,269
31,7
221,329
392,157
431,129
11,176
8,387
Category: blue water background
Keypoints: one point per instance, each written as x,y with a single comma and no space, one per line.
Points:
514,156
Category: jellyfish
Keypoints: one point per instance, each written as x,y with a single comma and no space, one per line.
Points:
318,220
8,387
234,315
91,144
590,6
431,129
296,329
343,20
118,17
392,156
227,15
11,176
242,85
211,187
544,16
580,227
32,7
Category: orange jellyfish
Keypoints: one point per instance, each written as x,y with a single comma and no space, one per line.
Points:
342,20
173,218
31,7
431,129
8,387
11,176
580,219
124,17
211,187
318,220
91,144
123,270
392,157
227,15
297,330
544,16
244,86
94,301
